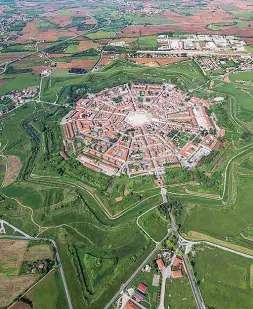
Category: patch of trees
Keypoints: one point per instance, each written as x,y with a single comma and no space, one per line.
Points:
77,71
25,300
118,99
171,242
87,288
89,53
245,135
177,175
209,158
12,70
75,92
175,208
206,181
58,49
84,26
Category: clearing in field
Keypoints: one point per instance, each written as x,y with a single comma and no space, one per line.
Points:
13,167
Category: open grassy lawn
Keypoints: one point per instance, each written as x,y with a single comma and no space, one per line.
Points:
49,293
13,135
179,294
243,97
247,76
147,42
100,35
17,82
3,166
71,49
225,221
155,224
223,277
123,192
119,72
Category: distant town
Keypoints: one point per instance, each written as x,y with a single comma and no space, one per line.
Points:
214,43
140,129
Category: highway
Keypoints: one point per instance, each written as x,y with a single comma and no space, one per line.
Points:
27,237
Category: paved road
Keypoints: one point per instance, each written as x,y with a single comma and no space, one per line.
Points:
195,289
56,254
14,228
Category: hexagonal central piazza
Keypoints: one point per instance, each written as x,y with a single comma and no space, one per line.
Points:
138,118
140,129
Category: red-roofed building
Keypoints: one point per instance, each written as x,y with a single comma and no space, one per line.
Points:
177,262
131,305
222,132
142,287
177,273
160,264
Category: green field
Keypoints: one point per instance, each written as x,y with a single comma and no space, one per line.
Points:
17,82
241,76
147,42
155,224
71,49
223,278
50,291
244,15
179,294
100,35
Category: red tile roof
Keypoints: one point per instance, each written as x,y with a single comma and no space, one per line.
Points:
177,262
177,273
160,263
142,287
131,305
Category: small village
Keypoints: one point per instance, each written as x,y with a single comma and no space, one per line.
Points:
224,64
17,98
140,129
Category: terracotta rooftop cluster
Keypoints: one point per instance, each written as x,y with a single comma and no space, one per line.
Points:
140,128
